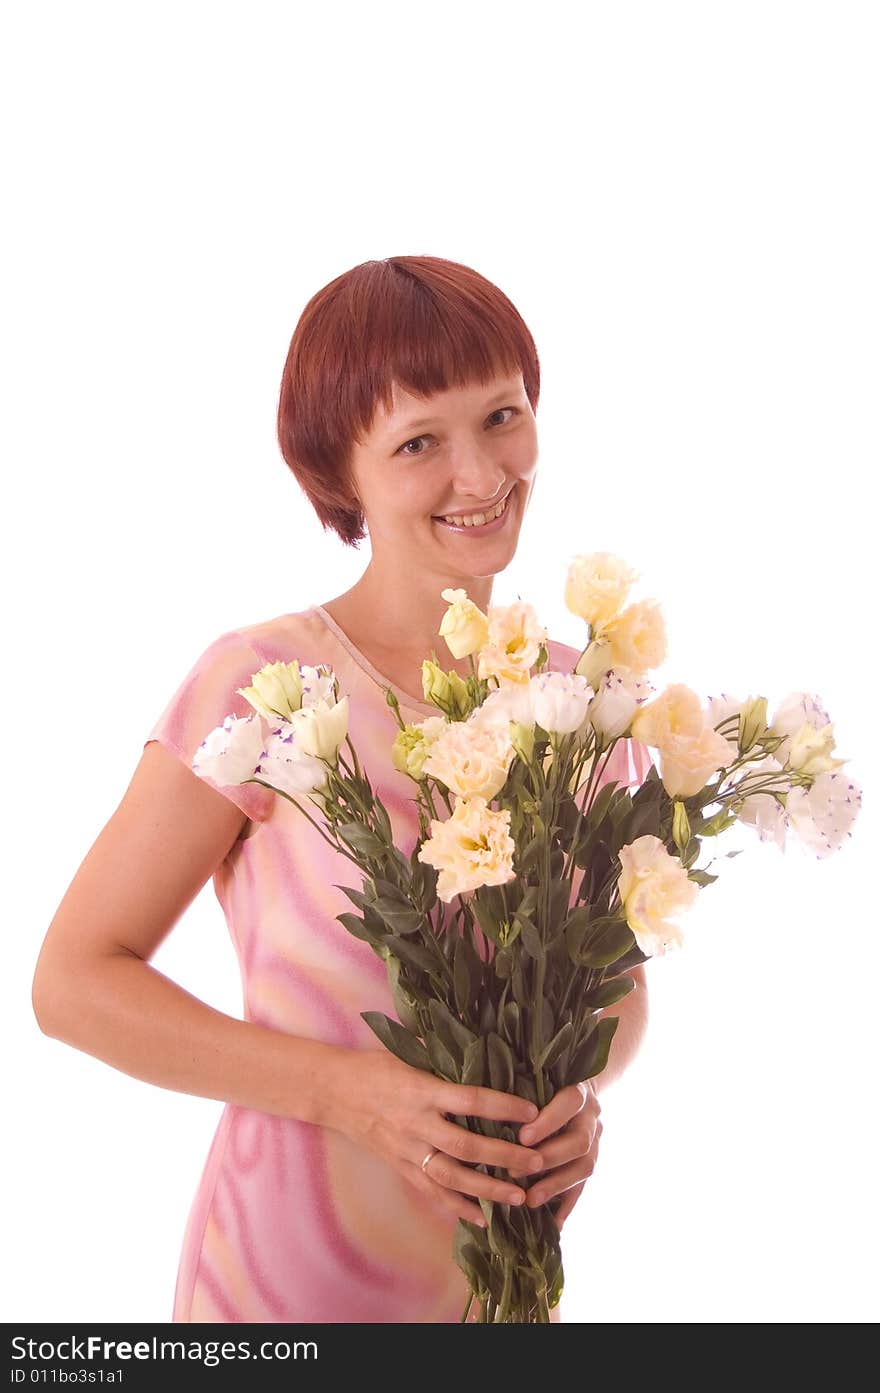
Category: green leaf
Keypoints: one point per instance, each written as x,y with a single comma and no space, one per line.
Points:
359,929
467,974
398,1040
488,1017
415,954
403,1001
701,877
473,1070
592,1056
361,839
452,1031
560,893
401,919
441,1059
531,939
607,940
510,1023
529,856
575,928
551,1052
607,993
357,897
501,1067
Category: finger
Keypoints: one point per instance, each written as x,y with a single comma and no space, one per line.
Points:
450,1200
444,1170
462,1145
562,1106
473,1100
579,1135
568,1202
557,1181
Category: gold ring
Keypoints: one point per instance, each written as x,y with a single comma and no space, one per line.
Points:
432,1152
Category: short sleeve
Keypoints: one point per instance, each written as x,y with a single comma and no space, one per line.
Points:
203,699
628,764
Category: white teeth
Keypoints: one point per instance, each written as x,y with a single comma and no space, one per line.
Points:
478,519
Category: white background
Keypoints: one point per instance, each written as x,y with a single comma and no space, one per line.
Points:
681,200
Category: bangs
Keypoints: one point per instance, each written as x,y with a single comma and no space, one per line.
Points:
421,323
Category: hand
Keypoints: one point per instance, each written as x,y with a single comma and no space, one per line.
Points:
398,1112
571,1122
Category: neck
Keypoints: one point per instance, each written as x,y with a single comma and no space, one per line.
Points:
401,617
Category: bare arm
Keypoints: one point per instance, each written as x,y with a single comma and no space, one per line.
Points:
633,1014
94,989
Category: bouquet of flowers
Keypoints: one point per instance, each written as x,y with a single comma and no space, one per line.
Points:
531,891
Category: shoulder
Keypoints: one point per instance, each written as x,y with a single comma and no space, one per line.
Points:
300,635
562,657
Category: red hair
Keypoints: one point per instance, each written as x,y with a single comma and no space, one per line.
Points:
419,321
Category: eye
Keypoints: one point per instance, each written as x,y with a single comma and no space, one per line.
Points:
403,448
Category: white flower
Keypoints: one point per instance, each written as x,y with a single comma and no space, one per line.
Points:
823,814
618,693
761,810
317,684
721,708
321,727
512,701
286,766
802,718
229,753
559,701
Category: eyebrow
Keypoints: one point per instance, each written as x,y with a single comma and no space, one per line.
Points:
429,420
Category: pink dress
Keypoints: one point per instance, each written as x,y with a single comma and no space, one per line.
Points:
292,1221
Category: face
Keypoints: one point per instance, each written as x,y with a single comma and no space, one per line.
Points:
461,451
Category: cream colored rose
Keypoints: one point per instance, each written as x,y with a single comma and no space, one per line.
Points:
464,627
637,636
276,690
687,762
653,887
471,848
320,729
471,759
675,712
513,644
597,587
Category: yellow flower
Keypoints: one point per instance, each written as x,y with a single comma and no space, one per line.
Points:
464,626
471,848
471,759
513,645
276,690
637,636
597,586
653,886
687,762
676,711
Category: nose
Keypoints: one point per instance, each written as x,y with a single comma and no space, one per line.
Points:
477,477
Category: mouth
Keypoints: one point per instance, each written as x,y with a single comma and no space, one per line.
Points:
494,520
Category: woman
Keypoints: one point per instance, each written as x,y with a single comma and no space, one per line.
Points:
335,1178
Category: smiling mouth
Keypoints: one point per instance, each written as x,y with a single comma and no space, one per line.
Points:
465,521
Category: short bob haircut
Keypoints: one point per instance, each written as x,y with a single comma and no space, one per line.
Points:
422,322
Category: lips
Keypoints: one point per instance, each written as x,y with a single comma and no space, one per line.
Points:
441,517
